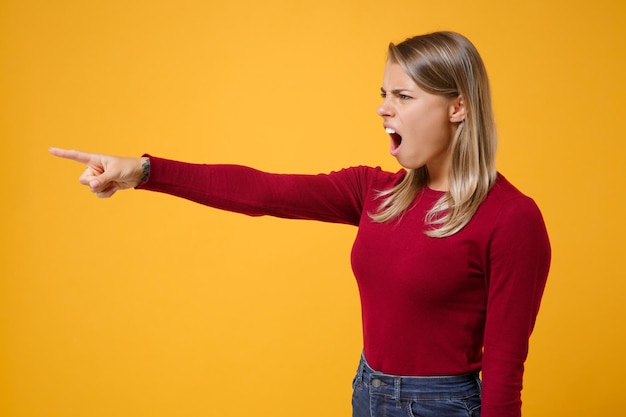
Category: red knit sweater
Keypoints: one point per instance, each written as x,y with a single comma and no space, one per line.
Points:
430,306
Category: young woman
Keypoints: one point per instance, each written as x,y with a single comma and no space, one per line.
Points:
451,259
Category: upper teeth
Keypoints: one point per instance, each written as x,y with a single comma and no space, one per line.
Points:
390,130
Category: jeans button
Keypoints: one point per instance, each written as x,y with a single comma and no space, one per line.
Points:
376,383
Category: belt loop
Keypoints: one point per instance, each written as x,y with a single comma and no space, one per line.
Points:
396,391
359,373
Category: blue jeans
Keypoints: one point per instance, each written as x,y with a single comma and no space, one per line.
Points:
380,395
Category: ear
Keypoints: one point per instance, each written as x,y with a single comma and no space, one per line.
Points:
457,110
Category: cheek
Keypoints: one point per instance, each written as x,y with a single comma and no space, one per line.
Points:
440,122
432,128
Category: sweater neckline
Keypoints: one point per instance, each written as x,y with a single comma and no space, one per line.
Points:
429,191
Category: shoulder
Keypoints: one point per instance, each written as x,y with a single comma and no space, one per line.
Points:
512,212
507,212
504,191
505,198
516,234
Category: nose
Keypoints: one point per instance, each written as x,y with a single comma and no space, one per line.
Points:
385,109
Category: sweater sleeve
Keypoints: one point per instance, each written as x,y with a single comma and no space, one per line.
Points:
336,197
518,259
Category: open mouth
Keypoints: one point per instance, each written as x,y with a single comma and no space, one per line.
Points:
396,139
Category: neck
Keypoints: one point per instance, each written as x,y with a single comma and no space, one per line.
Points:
441,185
438,176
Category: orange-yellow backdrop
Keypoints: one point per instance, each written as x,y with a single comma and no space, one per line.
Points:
146,305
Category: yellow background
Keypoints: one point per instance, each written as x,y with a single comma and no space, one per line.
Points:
147,305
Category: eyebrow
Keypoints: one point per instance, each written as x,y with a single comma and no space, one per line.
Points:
396,90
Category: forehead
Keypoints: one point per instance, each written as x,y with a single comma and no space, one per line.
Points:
395,77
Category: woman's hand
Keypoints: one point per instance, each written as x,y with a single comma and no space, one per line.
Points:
106,174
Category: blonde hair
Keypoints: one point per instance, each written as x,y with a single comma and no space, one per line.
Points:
446,63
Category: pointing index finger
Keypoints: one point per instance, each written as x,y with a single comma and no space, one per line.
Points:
78,156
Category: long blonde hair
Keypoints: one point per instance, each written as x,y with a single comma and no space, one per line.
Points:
446,63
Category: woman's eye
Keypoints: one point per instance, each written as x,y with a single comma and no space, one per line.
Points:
404,97
383,95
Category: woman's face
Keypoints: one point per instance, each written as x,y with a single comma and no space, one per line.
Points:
418,123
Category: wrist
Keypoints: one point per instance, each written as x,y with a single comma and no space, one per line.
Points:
144,170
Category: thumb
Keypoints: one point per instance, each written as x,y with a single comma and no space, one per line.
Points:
98,183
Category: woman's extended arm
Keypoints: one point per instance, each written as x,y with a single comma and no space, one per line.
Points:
337,197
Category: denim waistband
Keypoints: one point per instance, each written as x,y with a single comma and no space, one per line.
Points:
417,387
